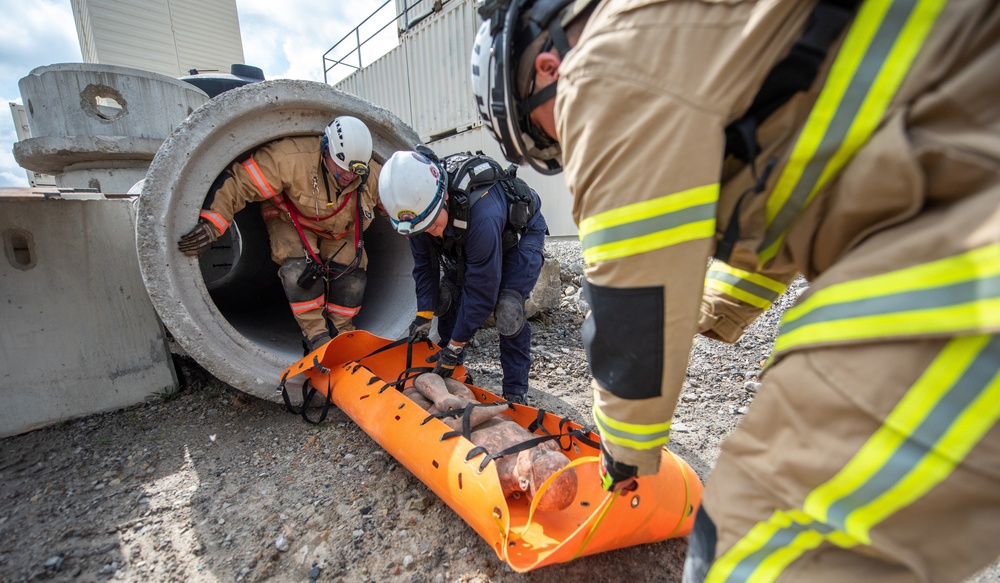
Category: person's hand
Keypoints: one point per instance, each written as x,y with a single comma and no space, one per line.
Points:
420,329
446,360
198,240
616,476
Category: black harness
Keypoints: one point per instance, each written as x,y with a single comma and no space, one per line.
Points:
793,74
470,177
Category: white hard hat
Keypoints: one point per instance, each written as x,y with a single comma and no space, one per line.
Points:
412,189
349,141
508,28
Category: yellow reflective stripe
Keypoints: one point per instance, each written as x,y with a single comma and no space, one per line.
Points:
761,280
632,435
790,526
978,263
732,290
953,405
751,288
649,225
850,106
951,295
984,314
965,428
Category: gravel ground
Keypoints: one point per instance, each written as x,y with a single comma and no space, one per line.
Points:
209,484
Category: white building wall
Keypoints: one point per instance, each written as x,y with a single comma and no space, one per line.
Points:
426,81
163,36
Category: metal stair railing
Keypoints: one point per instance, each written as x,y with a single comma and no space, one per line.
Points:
329,63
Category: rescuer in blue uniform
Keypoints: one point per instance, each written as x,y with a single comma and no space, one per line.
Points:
476,234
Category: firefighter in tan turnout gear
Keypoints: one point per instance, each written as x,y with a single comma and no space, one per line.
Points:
314,190
854,143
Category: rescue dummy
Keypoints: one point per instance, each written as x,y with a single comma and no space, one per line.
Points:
520,473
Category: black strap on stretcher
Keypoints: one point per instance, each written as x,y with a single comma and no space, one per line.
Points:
308,391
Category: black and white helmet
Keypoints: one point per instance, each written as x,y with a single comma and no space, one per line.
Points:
508,27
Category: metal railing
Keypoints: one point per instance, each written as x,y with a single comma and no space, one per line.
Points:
329,62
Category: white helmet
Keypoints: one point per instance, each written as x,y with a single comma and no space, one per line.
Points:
412,189
508,27
349,142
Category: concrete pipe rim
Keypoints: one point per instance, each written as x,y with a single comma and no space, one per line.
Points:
175,187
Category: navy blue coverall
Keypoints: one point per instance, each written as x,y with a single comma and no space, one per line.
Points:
487,270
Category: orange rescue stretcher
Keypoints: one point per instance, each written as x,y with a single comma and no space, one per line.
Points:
360,373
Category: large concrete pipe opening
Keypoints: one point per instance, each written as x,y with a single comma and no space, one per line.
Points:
226,309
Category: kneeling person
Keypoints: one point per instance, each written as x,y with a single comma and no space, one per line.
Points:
476,233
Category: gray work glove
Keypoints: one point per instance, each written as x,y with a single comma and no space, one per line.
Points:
198,240
420,329
445,361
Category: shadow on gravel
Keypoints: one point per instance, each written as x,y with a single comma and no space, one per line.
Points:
209,484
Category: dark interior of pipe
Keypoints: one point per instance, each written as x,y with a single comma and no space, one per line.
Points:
243,282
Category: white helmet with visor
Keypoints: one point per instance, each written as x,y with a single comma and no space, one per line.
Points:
412,188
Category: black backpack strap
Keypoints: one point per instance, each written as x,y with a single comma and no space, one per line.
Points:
795,73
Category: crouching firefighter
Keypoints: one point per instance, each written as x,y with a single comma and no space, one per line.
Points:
476,232
318,195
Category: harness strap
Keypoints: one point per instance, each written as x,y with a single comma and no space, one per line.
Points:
795,73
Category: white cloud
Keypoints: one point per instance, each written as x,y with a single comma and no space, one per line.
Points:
289,43
286,40
32,34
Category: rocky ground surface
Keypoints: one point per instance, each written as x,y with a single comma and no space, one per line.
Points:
209,484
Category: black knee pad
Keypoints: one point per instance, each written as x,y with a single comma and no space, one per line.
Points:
509,313
291,272
623,337
348,289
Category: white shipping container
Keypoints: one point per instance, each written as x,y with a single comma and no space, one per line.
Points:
411,11
169,37
426,79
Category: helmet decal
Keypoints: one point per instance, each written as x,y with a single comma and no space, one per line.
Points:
406,215
434,171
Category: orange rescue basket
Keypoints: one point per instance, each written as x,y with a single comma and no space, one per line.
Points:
358,372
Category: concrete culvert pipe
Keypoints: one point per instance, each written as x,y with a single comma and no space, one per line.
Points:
226,309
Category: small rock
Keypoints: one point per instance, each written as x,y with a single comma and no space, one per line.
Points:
743,410
407,561
751,386
54,563
282,544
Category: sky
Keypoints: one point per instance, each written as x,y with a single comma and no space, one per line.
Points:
286,43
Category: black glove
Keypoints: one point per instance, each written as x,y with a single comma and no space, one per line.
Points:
420,329
616,476
198,239
446,360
